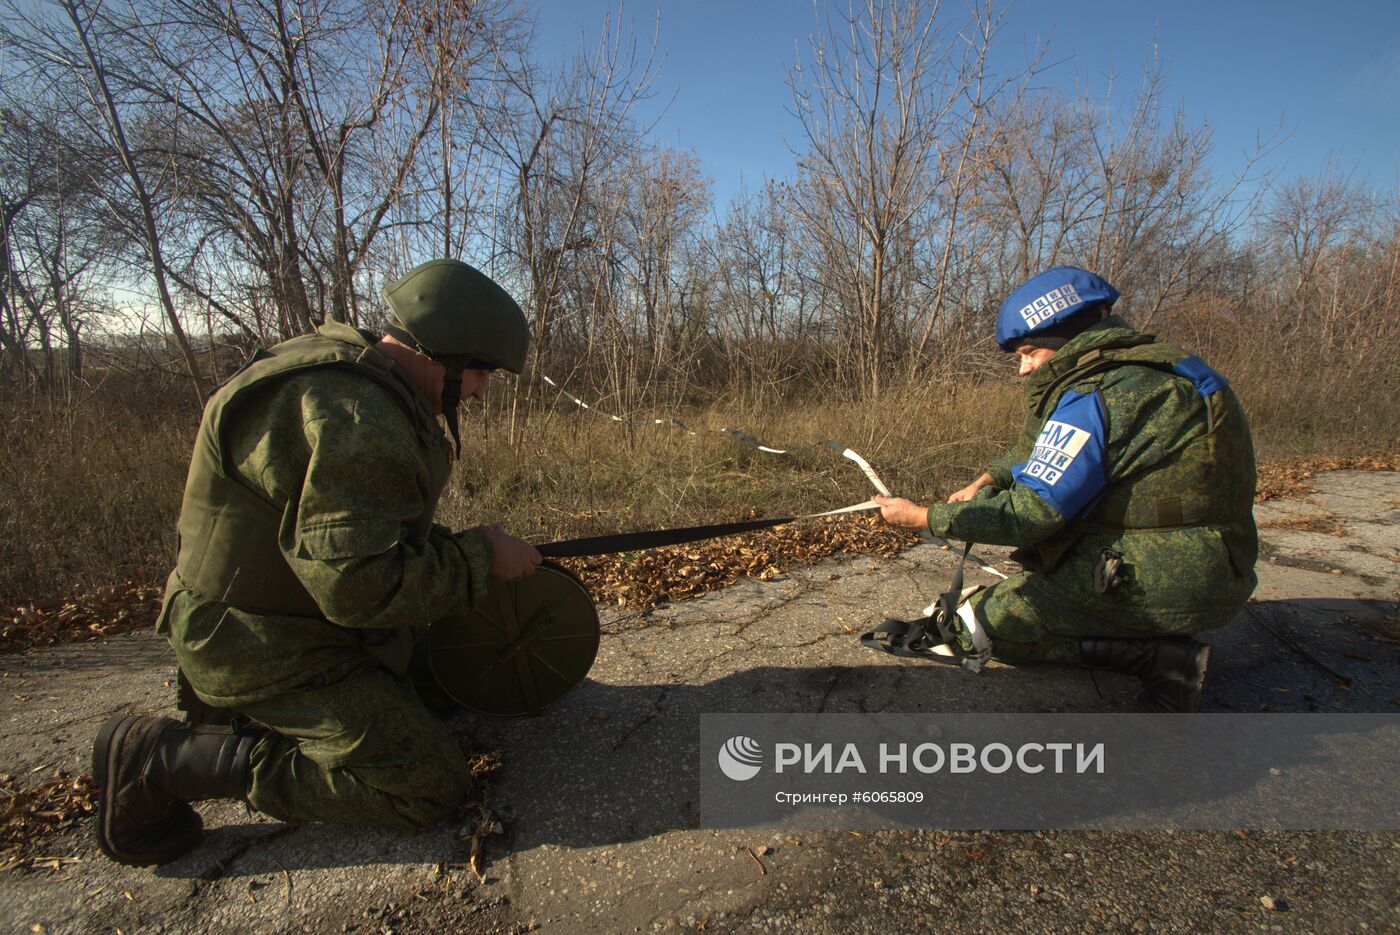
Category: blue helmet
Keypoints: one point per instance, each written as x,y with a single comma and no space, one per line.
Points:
1047,299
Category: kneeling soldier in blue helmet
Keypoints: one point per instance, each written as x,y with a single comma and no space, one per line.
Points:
309,565
1129,496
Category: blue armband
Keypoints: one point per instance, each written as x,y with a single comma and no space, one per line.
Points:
1067,467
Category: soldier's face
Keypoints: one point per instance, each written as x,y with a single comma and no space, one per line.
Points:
1031,357
474,383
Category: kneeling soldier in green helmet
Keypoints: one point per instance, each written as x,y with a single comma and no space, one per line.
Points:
309,564
1129,496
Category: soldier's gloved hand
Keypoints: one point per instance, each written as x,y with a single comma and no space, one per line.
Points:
898,511
511,558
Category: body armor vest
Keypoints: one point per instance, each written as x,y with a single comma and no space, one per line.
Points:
230,533
1207,482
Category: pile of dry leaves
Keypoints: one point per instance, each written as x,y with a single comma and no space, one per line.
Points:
644,579
112,609
1290,478
29,815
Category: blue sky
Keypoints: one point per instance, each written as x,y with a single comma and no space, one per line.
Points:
1326,73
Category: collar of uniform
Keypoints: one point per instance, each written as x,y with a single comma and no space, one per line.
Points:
346,334
1080,352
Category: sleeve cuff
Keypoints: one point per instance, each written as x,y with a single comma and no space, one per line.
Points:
940,515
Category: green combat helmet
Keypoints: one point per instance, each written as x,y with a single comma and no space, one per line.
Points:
459,317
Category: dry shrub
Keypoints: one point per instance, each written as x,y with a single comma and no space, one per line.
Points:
1308,393
91,492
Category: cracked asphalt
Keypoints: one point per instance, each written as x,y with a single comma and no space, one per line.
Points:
598,800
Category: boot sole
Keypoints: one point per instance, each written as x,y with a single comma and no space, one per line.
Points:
104,753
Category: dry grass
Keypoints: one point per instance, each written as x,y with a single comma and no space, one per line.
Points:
577,473
91,495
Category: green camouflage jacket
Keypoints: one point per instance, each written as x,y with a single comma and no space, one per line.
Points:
306,533
1132,446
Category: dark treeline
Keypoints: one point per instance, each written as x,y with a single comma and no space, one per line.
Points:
244,169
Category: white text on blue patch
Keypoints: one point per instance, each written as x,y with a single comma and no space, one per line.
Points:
1055,451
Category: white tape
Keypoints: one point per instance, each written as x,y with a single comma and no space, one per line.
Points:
754,443
869,472
867,505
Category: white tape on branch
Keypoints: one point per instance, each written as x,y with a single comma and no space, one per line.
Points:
746,439
583,405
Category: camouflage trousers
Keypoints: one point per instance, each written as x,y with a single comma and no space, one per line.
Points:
357,748
1034,617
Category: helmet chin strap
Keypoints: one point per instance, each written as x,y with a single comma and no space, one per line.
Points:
451,385
451,396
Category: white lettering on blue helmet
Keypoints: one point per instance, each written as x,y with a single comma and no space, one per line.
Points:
1045,306
1048,298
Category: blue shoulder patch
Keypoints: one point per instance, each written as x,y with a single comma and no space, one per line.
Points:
1067,468
1198,372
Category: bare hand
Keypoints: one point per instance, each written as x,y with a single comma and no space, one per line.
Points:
970,491
511,558
898,511
967,493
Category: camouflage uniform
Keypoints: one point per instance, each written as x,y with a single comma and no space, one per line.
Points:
308,564
1168,483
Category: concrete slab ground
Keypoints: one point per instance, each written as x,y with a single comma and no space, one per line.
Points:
597,800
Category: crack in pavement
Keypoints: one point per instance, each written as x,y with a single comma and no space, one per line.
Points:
812,642
240,850
709,664
655,714
831,687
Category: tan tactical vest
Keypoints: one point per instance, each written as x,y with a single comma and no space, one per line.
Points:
229,532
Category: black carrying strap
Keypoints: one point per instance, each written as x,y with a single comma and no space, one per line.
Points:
919,638
652,539
656,538
451,396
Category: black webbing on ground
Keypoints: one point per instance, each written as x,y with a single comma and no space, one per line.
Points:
918,638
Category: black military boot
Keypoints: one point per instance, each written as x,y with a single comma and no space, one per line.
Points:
149,770
1172,669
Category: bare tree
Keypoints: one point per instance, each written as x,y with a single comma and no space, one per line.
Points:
568,131
885,80
95,81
